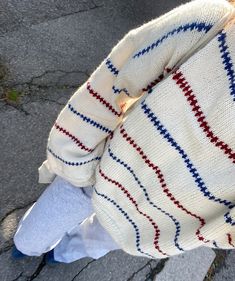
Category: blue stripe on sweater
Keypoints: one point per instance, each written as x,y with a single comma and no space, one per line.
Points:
197,178
115,71
177,224
129,219
227,61
111,67
116,90
72,163
229,219
89,120
182,28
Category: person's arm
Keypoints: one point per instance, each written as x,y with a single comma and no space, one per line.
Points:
163,42
77,139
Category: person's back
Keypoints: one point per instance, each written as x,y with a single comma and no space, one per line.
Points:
174,161
163,176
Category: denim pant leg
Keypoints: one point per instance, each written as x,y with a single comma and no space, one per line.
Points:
89,239
58,210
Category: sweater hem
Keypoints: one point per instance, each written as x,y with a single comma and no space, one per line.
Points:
107,222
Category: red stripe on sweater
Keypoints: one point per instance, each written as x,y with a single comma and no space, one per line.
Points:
102,100
192,100
156,228
73,138
162,182
230,239
153,83
156,81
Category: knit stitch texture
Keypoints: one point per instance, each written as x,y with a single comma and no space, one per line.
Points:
159,148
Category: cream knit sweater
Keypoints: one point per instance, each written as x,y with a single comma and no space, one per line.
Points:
161,156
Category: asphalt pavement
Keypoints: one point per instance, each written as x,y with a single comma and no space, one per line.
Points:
47,50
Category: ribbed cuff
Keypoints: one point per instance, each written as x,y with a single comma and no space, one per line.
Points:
47,175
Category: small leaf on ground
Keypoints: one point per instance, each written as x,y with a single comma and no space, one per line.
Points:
13,95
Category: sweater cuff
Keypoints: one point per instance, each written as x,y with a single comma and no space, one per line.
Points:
45,175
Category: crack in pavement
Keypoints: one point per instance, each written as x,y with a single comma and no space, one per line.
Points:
83,269
43,99
31,83
19,26
57,70
157,269
20,275
38,269
64,73
6,249
77,12
18,107
46,99
67,86
15,209
153,272
140,269
218,263
10,241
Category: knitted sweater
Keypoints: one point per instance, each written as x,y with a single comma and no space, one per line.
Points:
158,147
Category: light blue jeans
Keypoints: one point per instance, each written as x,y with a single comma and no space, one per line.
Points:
63,219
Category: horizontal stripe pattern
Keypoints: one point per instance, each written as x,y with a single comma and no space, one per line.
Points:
102,100
89,120
116,90
131,221
72,137
175,221
163,184
190,166
200,27
111,67
166,177
71,163
133,201
201,118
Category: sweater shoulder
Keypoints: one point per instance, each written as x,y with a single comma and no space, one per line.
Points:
205,12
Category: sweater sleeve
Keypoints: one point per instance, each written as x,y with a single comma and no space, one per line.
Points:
139,61
166,41
77,137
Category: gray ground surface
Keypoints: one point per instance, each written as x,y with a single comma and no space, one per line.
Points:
47,50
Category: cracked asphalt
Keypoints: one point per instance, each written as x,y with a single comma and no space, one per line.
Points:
47,50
